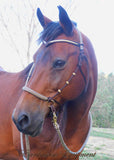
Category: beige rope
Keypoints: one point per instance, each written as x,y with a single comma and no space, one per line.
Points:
27,146
56,125
38,95
28,77
22,146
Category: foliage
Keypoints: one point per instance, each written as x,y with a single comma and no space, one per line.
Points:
103,106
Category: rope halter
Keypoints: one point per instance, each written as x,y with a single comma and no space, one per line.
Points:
51,99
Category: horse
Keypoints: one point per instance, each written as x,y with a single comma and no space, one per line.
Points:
52,94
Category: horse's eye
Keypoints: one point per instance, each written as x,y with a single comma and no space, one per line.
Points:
59,64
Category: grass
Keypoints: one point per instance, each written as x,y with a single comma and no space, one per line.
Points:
102,157
97,148
97,157
102,134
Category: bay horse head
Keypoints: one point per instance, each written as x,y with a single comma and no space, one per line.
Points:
60,73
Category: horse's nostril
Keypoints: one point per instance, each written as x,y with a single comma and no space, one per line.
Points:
23,121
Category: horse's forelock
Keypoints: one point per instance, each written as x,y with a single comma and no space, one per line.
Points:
51,31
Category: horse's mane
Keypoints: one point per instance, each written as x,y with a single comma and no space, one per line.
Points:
50,32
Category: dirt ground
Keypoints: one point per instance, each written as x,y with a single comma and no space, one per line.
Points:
101,145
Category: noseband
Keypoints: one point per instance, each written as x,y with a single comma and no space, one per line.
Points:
51,99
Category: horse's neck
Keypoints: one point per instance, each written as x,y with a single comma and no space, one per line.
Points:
78,118
76,115
11,86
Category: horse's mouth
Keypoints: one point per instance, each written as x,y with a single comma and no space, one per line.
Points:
28,124
33,130
36,131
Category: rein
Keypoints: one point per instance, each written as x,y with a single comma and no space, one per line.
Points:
53,101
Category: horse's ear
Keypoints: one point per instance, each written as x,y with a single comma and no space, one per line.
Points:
65,21
43,20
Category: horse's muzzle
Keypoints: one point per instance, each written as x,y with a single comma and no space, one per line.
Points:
28,124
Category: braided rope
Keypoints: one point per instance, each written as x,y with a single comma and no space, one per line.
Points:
56,125
27,146
36,94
